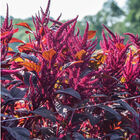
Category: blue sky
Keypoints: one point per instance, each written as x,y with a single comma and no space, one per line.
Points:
69,8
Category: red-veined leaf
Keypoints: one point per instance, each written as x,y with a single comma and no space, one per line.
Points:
18,59
10,53
13,40
80,54
31,66
91,34
47,55
120,46
25,47
24,24
15,30
7,32
10,49
41,31
27,32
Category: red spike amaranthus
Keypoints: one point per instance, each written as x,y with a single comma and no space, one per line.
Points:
59,87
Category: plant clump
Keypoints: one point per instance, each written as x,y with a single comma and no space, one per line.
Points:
57,86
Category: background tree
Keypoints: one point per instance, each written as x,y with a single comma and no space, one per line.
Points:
133,16
119,20
109,15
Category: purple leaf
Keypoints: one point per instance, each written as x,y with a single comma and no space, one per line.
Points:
111,110
18,133
42,111
70,91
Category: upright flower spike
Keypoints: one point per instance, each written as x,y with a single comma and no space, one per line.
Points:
104,44
134,39
44,14
116,53
5,25
130,73
6,33
70,31
111,33
57,20
6,29
78,31
63,26
85,36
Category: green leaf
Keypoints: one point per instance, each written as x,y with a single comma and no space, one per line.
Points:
134,137
131,130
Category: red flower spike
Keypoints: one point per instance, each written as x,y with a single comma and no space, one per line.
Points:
85,36
46,12
63,26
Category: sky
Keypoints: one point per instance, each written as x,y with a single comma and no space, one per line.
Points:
69,8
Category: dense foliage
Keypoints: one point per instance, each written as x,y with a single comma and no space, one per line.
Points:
57,86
